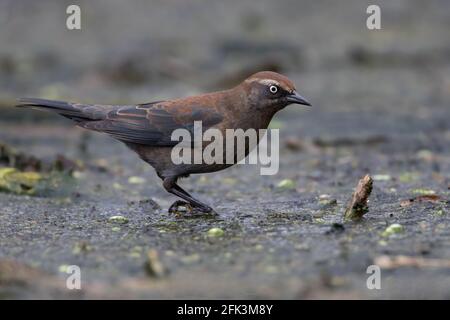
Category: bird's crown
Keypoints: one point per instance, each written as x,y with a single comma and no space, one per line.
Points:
271,78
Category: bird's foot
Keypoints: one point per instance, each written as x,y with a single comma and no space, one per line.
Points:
180,207
206,209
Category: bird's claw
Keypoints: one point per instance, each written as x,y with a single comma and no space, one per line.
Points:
179,207
205,209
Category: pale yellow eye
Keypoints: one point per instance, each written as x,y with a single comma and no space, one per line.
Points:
273,89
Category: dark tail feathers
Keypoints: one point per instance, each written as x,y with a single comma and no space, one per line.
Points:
73,111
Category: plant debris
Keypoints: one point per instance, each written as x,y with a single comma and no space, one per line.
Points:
387,262
153,265
82,248
326,201
293,144
15,181
13,158
15,272
382,177
118,219
358,205
286,184
146,204
421,198
422,191
136,180
215,232
392,229
335,228
349,141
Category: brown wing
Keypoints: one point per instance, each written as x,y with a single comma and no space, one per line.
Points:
152,123
149,124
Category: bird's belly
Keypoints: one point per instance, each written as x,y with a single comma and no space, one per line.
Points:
161,159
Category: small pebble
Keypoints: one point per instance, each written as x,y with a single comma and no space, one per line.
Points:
393,229
215,232
381,177
423,191
153,265
136,180
118,219
286,184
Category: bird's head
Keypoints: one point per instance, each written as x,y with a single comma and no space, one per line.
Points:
271,90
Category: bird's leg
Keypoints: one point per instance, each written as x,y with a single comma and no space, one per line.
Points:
171,186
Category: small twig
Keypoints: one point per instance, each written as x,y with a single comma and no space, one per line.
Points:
153,265
358,204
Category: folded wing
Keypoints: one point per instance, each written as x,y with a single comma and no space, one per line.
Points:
146,124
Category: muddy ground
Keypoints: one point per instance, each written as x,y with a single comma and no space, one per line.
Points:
381,106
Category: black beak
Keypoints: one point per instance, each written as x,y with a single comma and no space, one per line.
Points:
294,97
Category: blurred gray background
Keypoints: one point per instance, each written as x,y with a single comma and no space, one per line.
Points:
140,50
